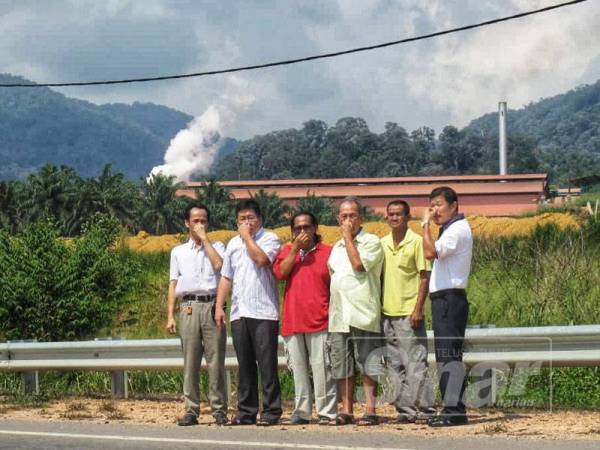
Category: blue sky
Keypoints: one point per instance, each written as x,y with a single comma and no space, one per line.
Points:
452,79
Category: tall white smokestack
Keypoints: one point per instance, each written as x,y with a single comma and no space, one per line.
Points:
502,136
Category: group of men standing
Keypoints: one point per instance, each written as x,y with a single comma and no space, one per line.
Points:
354,308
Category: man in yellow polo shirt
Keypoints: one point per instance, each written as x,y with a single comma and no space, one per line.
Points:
405,288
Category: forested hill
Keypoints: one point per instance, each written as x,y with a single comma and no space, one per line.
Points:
558,135
40,126
569,121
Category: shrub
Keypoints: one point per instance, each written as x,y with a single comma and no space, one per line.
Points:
56,289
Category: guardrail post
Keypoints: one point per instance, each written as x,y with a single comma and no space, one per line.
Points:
30,380
119,387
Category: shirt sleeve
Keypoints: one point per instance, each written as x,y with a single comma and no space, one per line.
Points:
227,268
270,245
371,254
285,251
447,244
174,267
219,247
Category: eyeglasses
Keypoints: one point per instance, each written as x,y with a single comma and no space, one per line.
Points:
350,216
300,228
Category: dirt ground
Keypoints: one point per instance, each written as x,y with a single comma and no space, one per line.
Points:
534,424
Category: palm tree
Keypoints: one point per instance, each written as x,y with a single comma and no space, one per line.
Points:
322,207
162,209
50,192
219,201
109,193
10,200
275,212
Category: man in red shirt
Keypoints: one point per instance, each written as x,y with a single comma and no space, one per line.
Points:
303,264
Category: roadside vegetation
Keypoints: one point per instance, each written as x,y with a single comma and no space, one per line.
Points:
103,282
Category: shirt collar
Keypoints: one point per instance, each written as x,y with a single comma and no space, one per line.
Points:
456,218
358,238
193,245
259,233
408,237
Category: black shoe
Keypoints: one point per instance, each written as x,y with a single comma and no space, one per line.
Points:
241,421
444,420
264,422
187,420
405,418
424,417
220,418
297,420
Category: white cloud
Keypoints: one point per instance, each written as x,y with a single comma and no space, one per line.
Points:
451,79
520,61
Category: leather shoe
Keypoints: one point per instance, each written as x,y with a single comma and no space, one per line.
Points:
220,418
241,421
264,422
447,421
187,420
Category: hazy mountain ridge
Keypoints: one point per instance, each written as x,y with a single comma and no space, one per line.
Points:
559,135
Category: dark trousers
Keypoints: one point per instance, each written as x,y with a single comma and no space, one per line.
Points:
450,310
255,343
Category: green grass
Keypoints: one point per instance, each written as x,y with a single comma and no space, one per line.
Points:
549,278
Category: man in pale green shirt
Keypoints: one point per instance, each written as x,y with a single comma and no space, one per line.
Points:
355,311
405,288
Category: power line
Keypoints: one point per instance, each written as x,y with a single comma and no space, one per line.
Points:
307,58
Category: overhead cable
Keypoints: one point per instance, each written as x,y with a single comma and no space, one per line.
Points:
304,59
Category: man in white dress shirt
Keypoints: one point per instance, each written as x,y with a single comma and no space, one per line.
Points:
254,314
194,274
451,255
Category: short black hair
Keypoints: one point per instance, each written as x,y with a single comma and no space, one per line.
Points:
402,203
188,210
448,193
313,221
248,203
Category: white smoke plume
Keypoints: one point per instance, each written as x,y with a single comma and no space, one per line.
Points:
194,148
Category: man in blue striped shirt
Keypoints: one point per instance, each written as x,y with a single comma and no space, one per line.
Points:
254,314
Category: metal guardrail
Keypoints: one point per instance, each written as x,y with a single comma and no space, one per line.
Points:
562,346
552,346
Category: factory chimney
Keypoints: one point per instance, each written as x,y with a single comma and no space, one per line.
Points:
502,136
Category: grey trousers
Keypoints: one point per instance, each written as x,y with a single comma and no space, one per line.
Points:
201,336
308,352
407,366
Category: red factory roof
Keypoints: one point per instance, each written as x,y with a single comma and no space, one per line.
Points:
385,180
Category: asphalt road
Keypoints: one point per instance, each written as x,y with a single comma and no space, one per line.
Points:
19,434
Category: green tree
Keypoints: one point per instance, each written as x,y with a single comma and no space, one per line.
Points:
56,290
323,208
51,193
219,201
10,200
162,210
275,212
109,193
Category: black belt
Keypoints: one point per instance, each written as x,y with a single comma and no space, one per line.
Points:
199,298
443,292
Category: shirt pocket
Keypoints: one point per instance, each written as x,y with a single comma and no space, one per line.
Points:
406,263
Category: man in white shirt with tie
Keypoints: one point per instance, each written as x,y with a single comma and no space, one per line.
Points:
451,254
194,275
